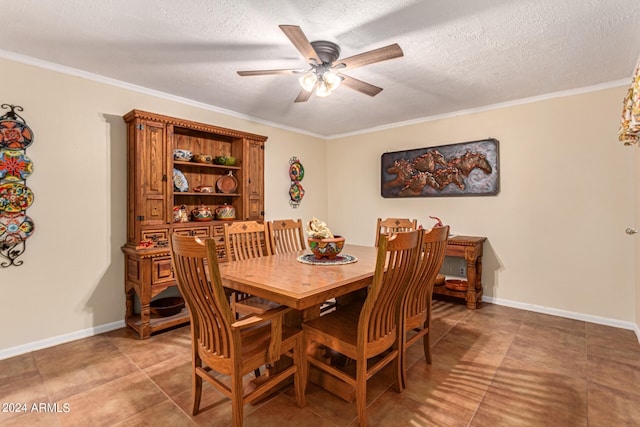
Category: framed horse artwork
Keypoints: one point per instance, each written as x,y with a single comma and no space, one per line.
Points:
462,169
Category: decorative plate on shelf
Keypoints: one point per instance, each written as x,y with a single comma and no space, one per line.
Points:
180,181
15,135
227,184
15,227
15,165
15,197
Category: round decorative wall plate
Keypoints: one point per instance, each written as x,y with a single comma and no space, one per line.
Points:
296,171
296,192
15,165
15,197
15,227
15,135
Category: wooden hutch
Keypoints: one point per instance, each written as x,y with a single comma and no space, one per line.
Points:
151,197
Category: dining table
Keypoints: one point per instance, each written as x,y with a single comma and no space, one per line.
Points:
284,279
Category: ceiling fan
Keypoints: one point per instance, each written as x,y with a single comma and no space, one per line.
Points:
325,72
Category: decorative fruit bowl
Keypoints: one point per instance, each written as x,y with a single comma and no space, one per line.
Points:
168,306
456,285
328,248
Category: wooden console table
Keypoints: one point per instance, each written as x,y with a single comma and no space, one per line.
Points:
469,248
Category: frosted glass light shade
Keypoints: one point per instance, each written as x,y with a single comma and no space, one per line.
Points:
308,81
332,80
322,90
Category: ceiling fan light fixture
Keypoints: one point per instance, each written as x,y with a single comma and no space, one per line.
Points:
308,81
323,89
326,66
332,80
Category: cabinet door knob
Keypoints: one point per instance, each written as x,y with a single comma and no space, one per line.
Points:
631,231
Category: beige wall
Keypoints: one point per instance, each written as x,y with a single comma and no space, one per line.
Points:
636,154
556,229
72,276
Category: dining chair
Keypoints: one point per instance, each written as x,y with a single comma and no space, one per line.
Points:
366,329
220,343
394,225
286,235
246,240
416,302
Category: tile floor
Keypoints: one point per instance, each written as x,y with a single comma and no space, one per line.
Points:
495,366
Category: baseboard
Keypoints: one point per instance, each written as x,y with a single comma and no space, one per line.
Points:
568,314
60,339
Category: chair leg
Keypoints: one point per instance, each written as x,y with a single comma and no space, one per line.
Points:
402,355
426,342
361,391
237,402
196,391
398,367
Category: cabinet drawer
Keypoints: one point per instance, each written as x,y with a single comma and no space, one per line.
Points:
161,270
195,231
158,237
218,230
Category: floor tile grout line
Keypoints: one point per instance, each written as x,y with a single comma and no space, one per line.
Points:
44,384
156,385
456,317
493,377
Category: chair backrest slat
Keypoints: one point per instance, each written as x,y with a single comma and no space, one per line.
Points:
286,235
246,240
417,300
394,225
196,268
397,255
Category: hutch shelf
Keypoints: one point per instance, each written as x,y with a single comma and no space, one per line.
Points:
151,198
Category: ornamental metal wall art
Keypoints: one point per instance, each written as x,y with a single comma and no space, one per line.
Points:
463,169
15,197
296,173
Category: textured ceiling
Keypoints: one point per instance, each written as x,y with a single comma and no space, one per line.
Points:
458,54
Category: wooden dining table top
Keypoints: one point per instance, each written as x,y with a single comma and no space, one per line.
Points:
281,278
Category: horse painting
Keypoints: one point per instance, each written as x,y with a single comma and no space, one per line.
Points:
448,176
414,186
470,161
404,171
472,167
428,161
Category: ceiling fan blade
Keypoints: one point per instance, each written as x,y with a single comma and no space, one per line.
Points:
360,86
377,55
300,41
267,72
304,96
